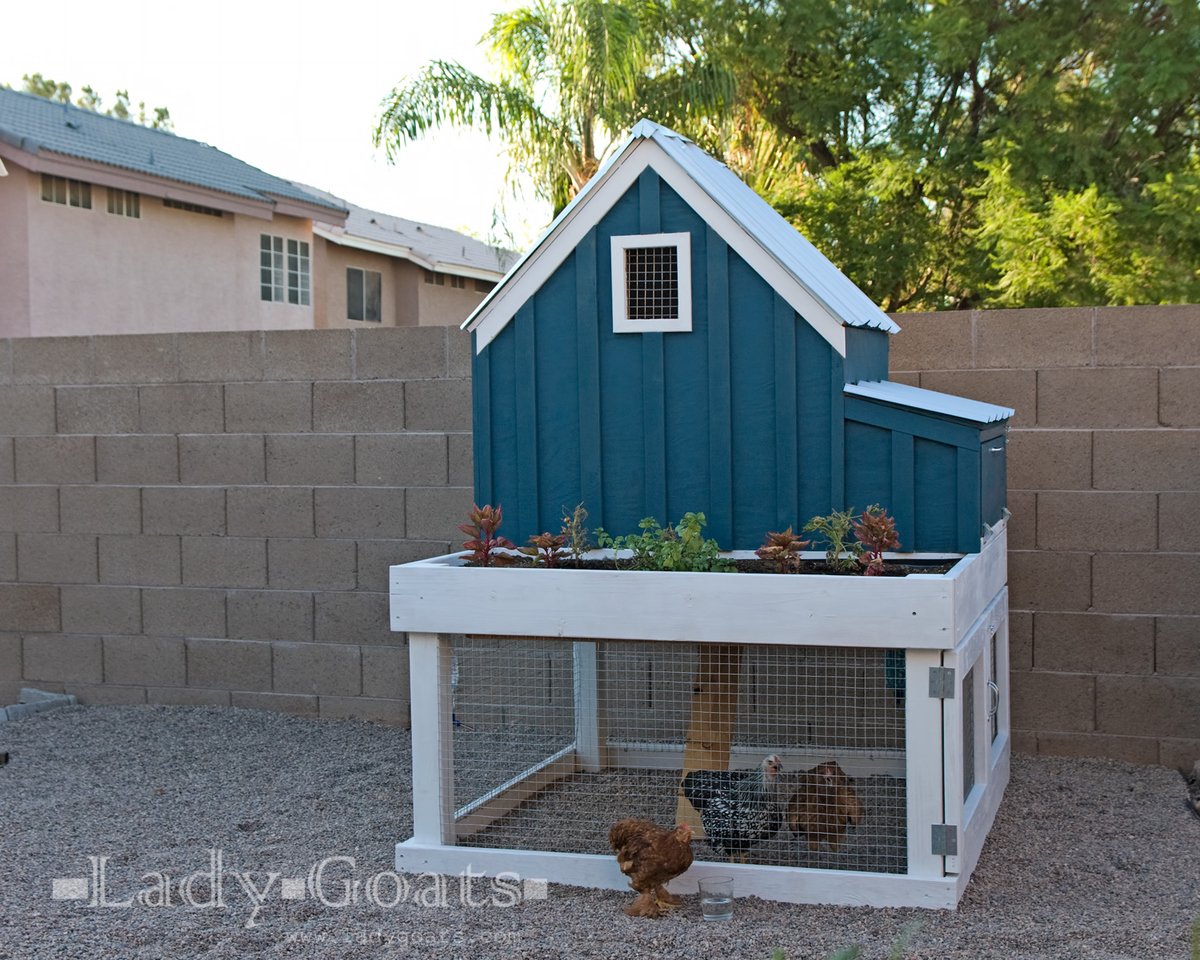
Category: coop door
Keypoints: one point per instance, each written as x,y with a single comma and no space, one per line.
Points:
976,724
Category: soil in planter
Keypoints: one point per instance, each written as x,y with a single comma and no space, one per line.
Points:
891,568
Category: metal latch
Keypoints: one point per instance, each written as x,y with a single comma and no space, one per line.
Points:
944,840
941,683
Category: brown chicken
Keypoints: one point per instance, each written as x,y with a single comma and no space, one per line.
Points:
650,856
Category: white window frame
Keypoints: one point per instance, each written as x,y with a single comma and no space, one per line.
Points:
284,270
124,203
682,321
363,279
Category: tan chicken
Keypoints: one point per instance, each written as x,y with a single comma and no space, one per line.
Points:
651,856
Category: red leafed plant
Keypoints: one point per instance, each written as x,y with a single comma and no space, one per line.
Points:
481,526
783,550
876,531
545,548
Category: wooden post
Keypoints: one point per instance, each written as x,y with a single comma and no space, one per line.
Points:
591,751
710,729
429,658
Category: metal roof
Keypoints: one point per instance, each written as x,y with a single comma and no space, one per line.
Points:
39,126
930,401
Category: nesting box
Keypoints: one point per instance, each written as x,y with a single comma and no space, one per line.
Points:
672,345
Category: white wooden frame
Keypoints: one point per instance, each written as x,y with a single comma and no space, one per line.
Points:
682,321
941,621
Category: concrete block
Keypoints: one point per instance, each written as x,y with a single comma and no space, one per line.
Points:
1090,520
6,370
416,459
1148,706
10,658
1156,460
224,562
137,460
143,358
385,672
108,695
234,458
1179,521
391,712
65,659
29,509
97,409
53,360
101,610
1155,583
55,459
183,612
1177,646
362,512
1158,336
1179,396
1097,397
458,353
310,460
198,511
101,509
220,357
298,704
27,410
1008,388
460,460
308,564
400,353
280,407
1053,701
932,341
142,661
7,467
1050,460
317,668
182,408
1042,580
29,608
56,558
434,513
1024,741
229,664
306,355
142,561
1093,643
1022,525
373,406
353,618
1034,339
1178,754
1142,750
1020,640
187,697
8,556
437,405
269,511
375,556
269,615
910,378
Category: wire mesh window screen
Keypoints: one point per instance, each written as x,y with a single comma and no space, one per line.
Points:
968,732
526,779
652,283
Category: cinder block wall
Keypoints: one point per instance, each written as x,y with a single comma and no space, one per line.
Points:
1104,487
209,518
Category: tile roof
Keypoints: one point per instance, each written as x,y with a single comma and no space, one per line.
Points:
39,126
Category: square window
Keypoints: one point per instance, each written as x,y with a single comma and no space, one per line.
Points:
652,283
363,295
283,278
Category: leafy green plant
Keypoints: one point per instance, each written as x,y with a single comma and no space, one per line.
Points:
876,531
482,523
783,550
682,547
545,548
575,532
840,552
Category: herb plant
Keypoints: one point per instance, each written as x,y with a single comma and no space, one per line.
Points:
876,531
575,532
482,523
783,550
682,547
545,548
840,552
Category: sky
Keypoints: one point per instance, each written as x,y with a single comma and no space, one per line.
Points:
293,88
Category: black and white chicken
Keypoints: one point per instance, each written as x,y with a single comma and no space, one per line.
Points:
738,808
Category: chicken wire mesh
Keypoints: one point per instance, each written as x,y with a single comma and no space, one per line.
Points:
554,740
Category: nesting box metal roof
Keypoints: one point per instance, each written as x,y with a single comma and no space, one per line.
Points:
672,344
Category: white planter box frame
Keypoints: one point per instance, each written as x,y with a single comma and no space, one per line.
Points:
939,620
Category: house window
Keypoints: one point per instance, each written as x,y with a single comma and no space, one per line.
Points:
124,203
191,207
283,269
652,283
483,286
432,276
363,289
458,283
71,193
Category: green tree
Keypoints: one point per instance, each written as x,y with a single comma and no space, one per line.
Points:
123,109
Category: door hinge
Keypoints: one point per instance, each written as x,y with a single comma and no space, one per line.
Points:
941,683
944,840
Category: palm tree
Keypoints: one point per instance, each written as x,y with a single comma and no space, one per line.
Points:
573,77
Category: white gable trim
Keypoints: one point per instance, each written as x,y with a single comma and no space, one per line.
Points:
560,241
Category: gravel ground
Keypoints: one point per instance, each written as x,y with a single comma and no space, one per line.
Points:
1088,858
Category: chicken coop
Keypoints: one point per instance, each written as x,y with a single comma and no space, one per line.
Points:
672,345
